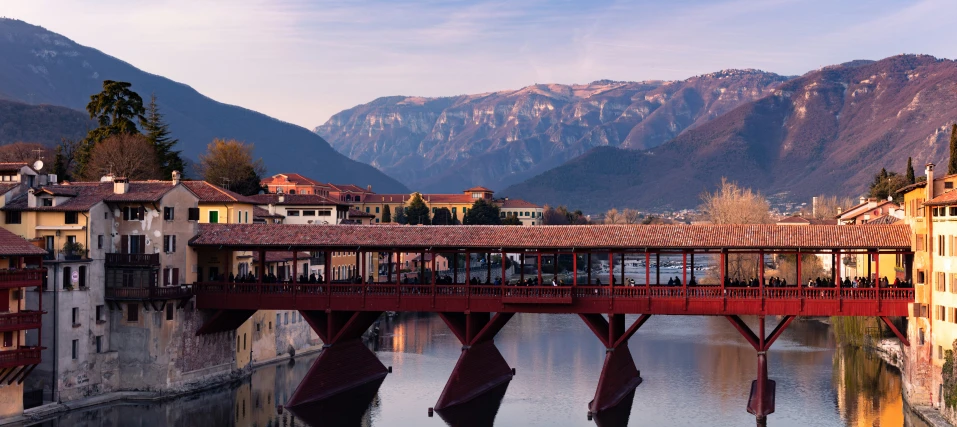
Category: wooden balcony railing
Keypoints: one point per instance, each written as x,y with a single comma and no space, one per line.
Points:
21,278
134,260
22,356
20,321
149,293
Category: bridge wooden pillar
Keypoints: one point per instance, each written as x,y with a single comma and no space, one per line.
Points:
345,362
504,279
684,270
611,268
619,375
521,266
622,257
761,400
539,258
481,367
588,270
574,268
658,268
647,268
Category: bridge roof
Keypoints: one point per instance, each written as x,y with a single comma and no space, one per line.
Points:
897,237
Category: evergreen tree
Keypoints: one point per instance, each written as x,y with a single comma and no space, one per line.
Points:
386,214
482,213
910,172
511,220
952,165
400,215
417,212
442,217
157,133
115,109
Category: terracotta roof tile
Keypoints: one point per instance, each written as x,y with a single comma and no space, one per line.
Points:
386,198
556,236
7,186
13,245
13,166
448,198
259,212
516,204
209,193
355,213
294,178
349,188
477,189
280,256
293,199
947,198
886,219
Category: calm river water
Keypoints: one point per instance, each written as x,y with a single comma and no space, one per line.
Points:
697,372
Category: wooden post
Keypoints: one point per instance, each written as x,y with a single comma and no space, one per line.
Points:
723,270
647,268
761,270
588,270
521,266
574,269
622,269
295,267
539,256
684,268
658,268
503,268
611,268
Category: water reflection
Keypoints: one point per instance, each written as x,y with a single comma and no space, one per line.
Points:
696,371
479,412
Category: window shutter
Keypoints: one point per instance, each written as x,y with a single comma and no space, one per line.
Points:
166,244
166,276
173,244
175,277
126,213
142,244
124,244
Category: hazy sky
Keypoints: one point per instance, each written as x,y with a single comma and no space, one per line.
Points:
304,60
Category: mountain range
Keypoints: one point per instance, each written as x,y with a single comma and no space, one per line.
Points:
40,67
826,132
500,138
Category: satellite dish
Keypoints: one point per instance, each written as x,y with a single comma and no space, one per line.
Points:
38,164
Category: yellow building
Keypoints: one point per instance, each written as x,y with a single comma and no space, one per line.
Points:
457,204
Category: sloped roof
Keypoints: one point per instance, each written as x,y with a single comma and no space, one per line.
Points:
259,212
280,256
800,220
947,198
14,166
209,193
83,196
386,198
355,213
886,219
293,200
349,188
516,204
7,186
141,191
637,237
448,198
293,178
13,245
479,189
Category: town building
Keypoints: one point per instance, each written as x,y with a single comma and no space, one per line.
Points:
303,208
527,212
20,263
294,183
457,204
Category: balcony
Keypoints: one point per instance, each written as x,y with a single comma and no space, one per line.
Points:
22,356
20,321
132,260
11,279
151,293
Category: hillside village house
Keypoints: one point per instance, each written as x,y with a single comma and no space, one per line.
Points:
457,204
294,183
871,211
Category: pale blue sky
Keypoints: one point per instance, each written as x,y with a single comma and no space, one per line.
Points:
302,61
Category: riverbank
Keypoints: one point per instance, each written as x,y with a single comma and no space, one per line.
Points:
930,416
54,409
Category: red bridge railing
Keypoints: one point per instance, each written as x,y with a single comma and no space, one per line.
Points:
149,293
638,299
20,321
21,278
20,357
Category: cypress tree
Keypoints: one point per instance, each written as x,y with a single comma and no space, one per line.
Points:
952,165
417,212
910,172
386,214
157,132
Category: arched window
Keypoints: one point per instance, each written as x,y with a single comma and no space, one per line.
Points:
292,191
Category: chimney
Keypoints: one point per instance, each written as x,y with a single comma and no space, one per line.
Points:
121,185
282,198
862,200
272,209
814,207
175,177
369,188
31,198
929,171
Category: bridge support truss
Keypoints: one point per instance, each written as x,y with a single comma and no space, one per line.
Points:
481,367
345,362
761,400
619,375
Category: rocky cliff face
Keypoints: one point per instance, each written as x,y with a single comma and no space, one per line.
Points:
827,132
494,139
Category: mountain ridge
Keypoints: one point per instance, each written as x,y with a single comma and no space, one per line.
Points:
42,67
496,138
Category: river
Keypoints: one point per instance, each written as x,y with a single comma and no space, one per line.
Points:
697,372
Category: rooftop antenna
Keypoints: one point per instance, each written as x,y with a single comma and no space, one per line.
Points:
225,183
37,165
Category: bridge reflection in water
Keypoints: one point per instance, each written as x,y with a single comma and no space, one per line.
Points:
340,312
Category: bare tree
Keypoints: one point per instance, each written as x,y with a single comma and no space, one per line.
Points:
231,164
731,204
125,155
25,152
624,216
828,207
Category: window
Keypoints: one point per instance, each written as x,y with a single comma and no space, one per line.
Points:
169,243
278,320
99,241
308,213
76,316
47,201
168,213
292,213
244,341
285,318
192,214
246,215
133,213
82,274
67,277
99,314
949,184
376,209
920,336
169,311
76,348
941,285
132,244
213,217
324,212
919,245
270,325
99,343
70,218
953,211
941,313
132,312
8,339
12,217
940,245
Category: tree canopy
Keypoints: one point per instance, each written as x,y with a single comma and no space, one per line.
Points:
116,109
910,172
417,212
511,220
952,164
400,217
562,216
123,155
231,164
157,133
482,213
442,216
731,204
386,214
886,184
